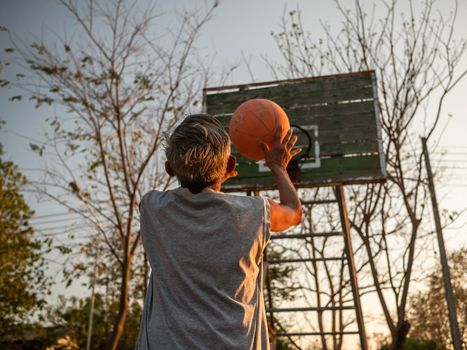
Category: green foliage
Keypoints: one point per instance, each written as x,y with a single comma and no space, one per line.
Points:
428,309
71,316
284,344
417,344
22,279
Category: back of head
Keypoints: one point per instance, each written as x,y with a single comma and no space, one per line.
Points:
198,150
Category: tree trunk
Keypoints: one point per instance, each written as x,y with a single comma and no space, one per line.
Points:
400,335
123,307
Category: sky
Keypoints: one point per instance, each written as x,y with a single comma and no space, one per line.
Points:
239,31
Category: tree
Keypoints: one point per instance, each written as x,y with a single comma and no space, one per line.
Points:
23,283
415,61
70,316
121,82
416,344
428,311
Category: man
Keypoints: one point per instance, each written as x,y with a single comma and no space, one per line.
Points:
205,247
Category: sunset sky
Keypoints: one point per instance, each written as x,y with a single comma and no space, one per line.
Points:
239,32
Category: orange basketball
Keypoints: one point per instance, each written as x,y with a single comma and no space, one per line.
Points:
253,121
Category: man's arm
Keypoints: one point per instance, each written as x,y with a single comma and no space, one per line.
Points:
288,212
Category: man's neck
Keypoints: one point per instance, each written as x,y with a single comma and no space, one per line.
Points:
216,187
197,187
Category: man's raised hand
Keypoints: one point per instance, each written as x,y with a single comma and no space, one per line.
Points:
282,151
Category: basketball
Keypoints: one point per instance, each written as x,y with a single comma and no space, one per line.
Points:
254,121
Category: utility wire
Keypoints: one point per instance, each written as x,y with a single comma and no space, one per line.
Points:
74,226
55,221
56,234
52,215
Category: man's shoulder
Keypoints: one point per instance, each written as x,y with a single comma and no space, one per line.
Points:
245,201
154,197
150,194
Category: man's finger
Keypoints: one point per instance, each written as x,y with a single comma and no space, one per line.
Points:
295,151
278,135
264,147
287,137
289,145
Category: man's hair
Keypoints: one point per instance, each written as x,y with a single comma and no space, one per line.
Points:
198,150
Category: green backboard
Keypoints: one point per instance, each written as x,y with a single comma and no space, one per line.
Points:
337,122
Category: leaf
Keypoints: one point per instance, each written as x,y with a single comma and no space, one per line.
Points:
41,49
64,249
40,100
37,149
70,99
10,49
86,59
15,98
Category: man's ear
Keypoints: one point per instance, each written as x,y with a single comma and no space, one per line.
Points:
231,163
168,169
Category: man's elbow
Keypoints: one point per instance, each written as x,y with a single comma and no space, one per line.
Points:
297,217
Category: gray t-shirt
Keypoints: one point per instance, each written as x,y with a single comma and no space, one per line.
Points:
206,284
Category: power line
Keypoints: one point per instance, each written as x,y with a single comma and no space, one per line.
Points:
446,146
451,161
64,229
56,234
454,167
448,153
52,215
55,221
40,217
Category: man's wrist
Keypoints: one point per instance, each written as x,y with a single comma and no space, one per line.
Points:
277,169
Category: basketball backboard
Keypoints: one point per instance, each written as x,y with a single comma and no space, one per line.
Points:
335,117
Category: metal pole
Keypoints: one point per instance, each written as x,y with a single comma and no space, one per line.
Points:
91,311
340,196
455,333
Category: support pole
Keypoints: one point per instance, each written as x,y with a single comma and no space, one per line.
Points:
91,309
340,196
452,314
